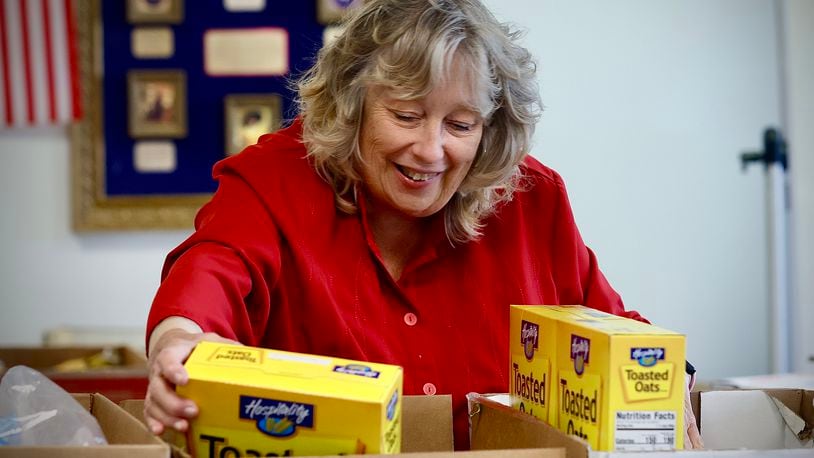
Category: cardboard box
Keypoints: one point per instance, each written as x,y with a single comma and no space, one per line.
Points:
772,419
613,381
262,401
788,380
135,407
426,431
496,426
95,336
125,380
125,435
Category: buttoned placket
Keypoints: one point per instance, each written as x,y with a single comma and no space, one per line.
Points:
410,317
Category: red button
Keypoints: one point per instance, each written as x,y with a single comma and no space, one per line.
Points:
429,389
410,319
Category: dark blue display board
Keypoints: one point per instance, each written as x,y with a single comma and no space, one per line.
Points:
204,143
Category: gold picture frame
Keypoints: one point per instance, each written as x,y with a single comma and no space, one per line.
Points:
247,117
155,11
157,104
92,208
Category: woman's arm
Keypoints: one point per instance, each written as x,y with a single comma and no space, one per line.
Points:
168,324
215,287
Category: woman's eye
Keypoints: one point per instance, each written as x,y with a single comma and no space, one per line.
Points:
405,117
461,127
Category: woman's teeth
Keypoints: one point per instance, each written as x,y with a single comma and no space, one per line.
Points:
416,176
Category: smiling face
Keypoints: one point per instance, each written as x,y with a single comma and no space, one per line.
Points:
416,153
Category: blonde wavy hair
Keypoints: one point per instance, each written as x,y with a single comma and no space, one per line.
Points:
409,46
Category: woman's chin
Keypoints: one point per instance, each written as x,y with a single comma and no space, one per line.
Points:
418,209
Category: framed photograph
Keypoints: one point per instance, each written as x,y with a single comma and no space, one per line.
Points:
332,11
155,11
96,205
248,116
152,122
157,104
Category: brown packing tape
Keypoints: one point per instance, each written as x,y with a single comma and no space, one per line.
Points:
494,426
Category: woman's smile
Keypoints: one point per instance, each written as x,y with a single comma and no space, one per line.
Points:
417,176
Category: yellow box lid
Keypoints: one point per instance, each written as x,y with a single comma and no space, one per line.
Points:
589,318
292,372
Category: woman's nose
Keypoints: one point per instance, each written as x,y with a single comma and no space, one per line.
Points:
431,145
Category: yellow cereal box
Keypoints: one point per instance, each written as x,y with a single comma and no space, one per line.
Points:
615,382
260,402
531,382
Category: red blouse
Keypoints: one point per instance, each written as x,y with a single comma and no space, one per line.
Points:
272,263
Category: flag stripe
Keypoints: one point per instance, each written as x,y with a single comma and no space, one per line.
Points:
73,60
6,71
29,91
39,71
59,38
16,64
49,61
3,105
38,81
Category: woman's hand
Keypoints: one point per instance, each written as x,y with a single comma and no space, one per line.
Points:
162,407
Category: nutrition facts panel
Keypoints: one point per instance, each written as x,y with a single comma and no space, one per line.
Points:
641,430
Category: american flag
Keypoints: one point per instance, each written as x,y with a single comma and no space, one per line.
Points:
39,74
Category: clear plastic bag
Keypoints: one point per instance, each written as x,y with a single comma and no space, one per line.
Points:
35,411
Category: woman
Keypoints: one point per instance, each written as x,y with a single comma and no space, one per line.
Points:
394,221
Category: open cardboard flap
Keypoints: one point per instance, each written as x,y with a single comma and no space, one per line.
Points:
426,431
126,437
754,419
427,424
496,426
135,407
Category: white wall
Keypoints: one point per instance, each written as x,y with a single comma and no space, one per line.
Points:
649,105
799,20
51,276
